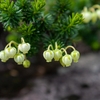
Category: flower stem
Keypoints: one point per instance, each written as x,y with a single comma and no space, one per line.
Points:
69,47
56,45
50,46
96,6
64,50
12,42
22,40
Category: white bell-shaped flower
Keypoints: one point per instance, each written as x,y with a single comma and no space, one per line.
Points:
98,13
24,47
3,56
67,60
57,54
48,55
86,16
19,58
10,51
75,55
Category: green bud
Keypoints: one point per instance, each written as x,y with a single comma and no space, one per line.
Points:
48,55
24,47
26,63
67,60
19,58
8,28
57,54
75,55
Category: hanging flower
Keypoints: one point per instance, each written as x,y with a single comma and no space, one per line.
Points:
67,60
86,15
3,56
10,52
48,55
75,55
24,47
57,54
98,13
19,58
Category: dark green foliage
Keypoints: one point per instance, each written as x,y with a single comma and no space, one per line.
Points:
10,14
26,29
25,6
29,19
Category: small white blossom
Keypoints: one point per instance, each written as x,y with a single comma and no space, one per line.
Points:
57,54
19,58
48,55
98,13
3,56
86,16
10,52
67,60
75,55
24,47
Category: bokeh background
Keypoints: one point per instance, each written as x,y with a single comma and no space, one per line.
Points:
50,81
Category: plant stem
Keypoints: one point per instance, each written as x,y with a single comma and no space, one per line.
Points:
50,46
64,50
12,42
69,47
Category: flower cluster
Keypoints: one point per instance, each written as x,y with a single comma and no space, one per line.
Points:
17,51
91,14
61,55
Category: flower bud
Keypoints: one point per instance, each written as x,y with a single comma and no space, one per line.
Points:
19,58
75,55
26,63
57,54
24,47
48,55
8,28
3,56
10,51
67,60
